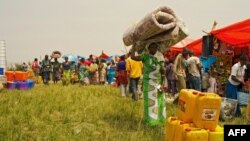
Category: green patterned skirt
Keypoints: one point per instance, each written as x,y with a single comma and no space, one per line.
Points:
154,103
66,77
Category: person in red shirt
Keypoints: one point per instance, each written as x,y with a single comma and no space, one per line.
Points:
36,68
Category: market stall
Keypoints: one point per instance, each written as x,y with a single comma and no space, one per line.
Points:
226,45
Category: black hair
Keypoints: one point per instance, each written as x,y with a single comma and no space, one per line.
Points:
185,52
122,57
153,45
82,59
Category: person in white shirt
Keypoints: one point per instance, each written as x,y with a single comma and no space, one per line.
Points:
235,79
194,69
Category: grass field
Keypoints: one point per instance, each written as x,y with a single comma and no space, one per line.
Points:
76,113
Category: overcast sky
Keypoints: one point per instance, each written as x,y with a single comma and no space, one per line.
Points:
33,28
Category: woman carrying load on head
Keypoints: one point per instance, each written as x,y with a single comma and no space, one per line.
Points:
153,83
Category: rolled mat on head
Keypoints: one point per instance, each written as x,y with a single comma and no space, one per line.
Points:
159,20
56,54
164,39
161,26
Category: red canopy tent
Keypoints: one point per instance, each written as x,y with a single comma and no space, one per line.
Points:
177,48
180,45
196,47
104,56
237,35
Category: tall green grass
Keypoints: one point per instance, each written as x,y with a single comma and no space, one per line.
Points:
76,113
73,112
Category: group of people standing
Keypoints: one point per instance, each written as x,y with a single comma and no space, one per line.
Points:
45,67
184,71
89,71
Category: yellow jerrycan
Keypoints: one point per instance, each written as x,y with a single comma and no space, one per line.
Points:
207,109
178,135
186,104
195,134
217,134
172,122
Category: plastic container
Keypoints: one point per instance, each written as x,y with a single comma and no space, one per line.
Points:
1,70
22,85
207,111
186,104
31,83
170,128
195,134
179,129
11,85
21,76
217,135
10,75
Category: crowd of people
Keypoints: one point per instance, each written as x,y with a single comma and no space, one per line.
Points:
150,74
85,71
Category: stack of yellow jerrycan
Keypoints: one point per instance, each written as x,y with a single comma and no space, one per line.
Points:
197,118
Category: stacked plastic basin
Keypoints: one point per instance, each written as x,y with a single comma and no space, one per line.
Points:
197,118
11,85
10,75
18,80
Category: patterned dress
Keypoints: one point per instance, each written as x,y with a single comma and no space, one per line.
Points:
83,73
66,73
56,71
154,100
